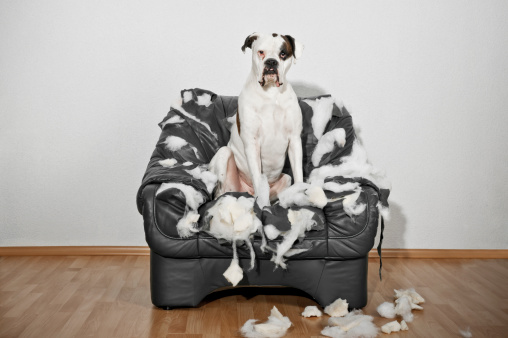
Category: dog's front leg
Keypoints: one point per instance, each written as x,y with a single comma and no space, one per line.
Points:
295,157
252,149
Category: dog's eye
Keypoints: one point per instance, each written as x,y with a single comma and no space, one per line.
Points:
261,52
282,55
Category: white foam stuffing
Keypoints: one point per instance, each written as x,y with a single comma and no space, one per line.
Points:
187,163
303,194
207,177
386,310
168,163
276,326
391,327
354,165
234,273
205,100
175,143
351,208
326,144
311,311
338,308
187,96
466,333
336,187
403,326
301,221
321,114
415,298
173,120
186,226
233,219
403,308
193,198
271,231
353,324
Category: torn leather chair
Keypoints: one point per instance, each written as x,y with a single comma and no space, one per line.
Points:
185,270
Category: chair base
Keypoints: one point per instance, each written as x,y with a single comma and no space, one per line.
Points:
185,282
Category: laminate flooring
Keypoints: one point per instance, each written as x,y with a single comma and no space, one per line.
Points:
109,296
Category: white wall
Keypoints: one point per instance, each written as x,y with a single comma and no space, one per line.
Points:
83,85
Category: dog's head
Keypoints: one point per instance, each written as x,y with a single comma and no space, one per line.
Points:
272,56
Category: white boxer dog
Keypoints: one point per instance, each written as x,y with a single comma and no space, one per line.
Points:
268,124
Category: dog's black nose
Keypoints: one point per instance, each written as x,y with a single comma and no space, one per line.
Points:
271,63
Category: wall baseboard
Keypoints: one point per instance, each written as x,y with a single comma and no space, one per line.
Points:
441,253
144,250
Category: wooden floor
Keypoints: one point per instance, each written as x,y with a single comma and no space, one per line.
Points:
109,296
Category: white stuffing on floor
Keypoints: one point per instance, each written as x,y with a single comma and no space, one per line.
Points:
276,326
386,310
322,113
403,308
391,327
466,333
414,297
405,301
233,219
403,326
301,221
303,194
326,144
353,324
207,177
311,311
338,308
168,163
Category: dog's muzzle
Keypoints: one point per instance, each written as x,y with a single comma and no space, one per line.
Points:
271,73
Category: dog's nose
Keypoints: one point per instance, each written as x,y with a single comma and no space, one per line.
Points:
271,63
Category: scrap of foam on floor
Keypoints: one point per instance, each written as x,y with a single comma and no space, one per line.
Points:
338,308
311,311
353,324
276,326
405,301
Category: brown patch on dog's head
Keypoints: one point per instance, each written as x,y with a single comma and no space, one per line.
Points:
288,46
248,41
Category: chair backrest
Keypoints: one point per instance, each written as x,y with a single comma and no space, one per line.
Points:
204,121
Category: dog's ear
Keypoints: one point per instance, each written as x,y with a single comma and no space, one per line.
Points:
295,45
248,41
